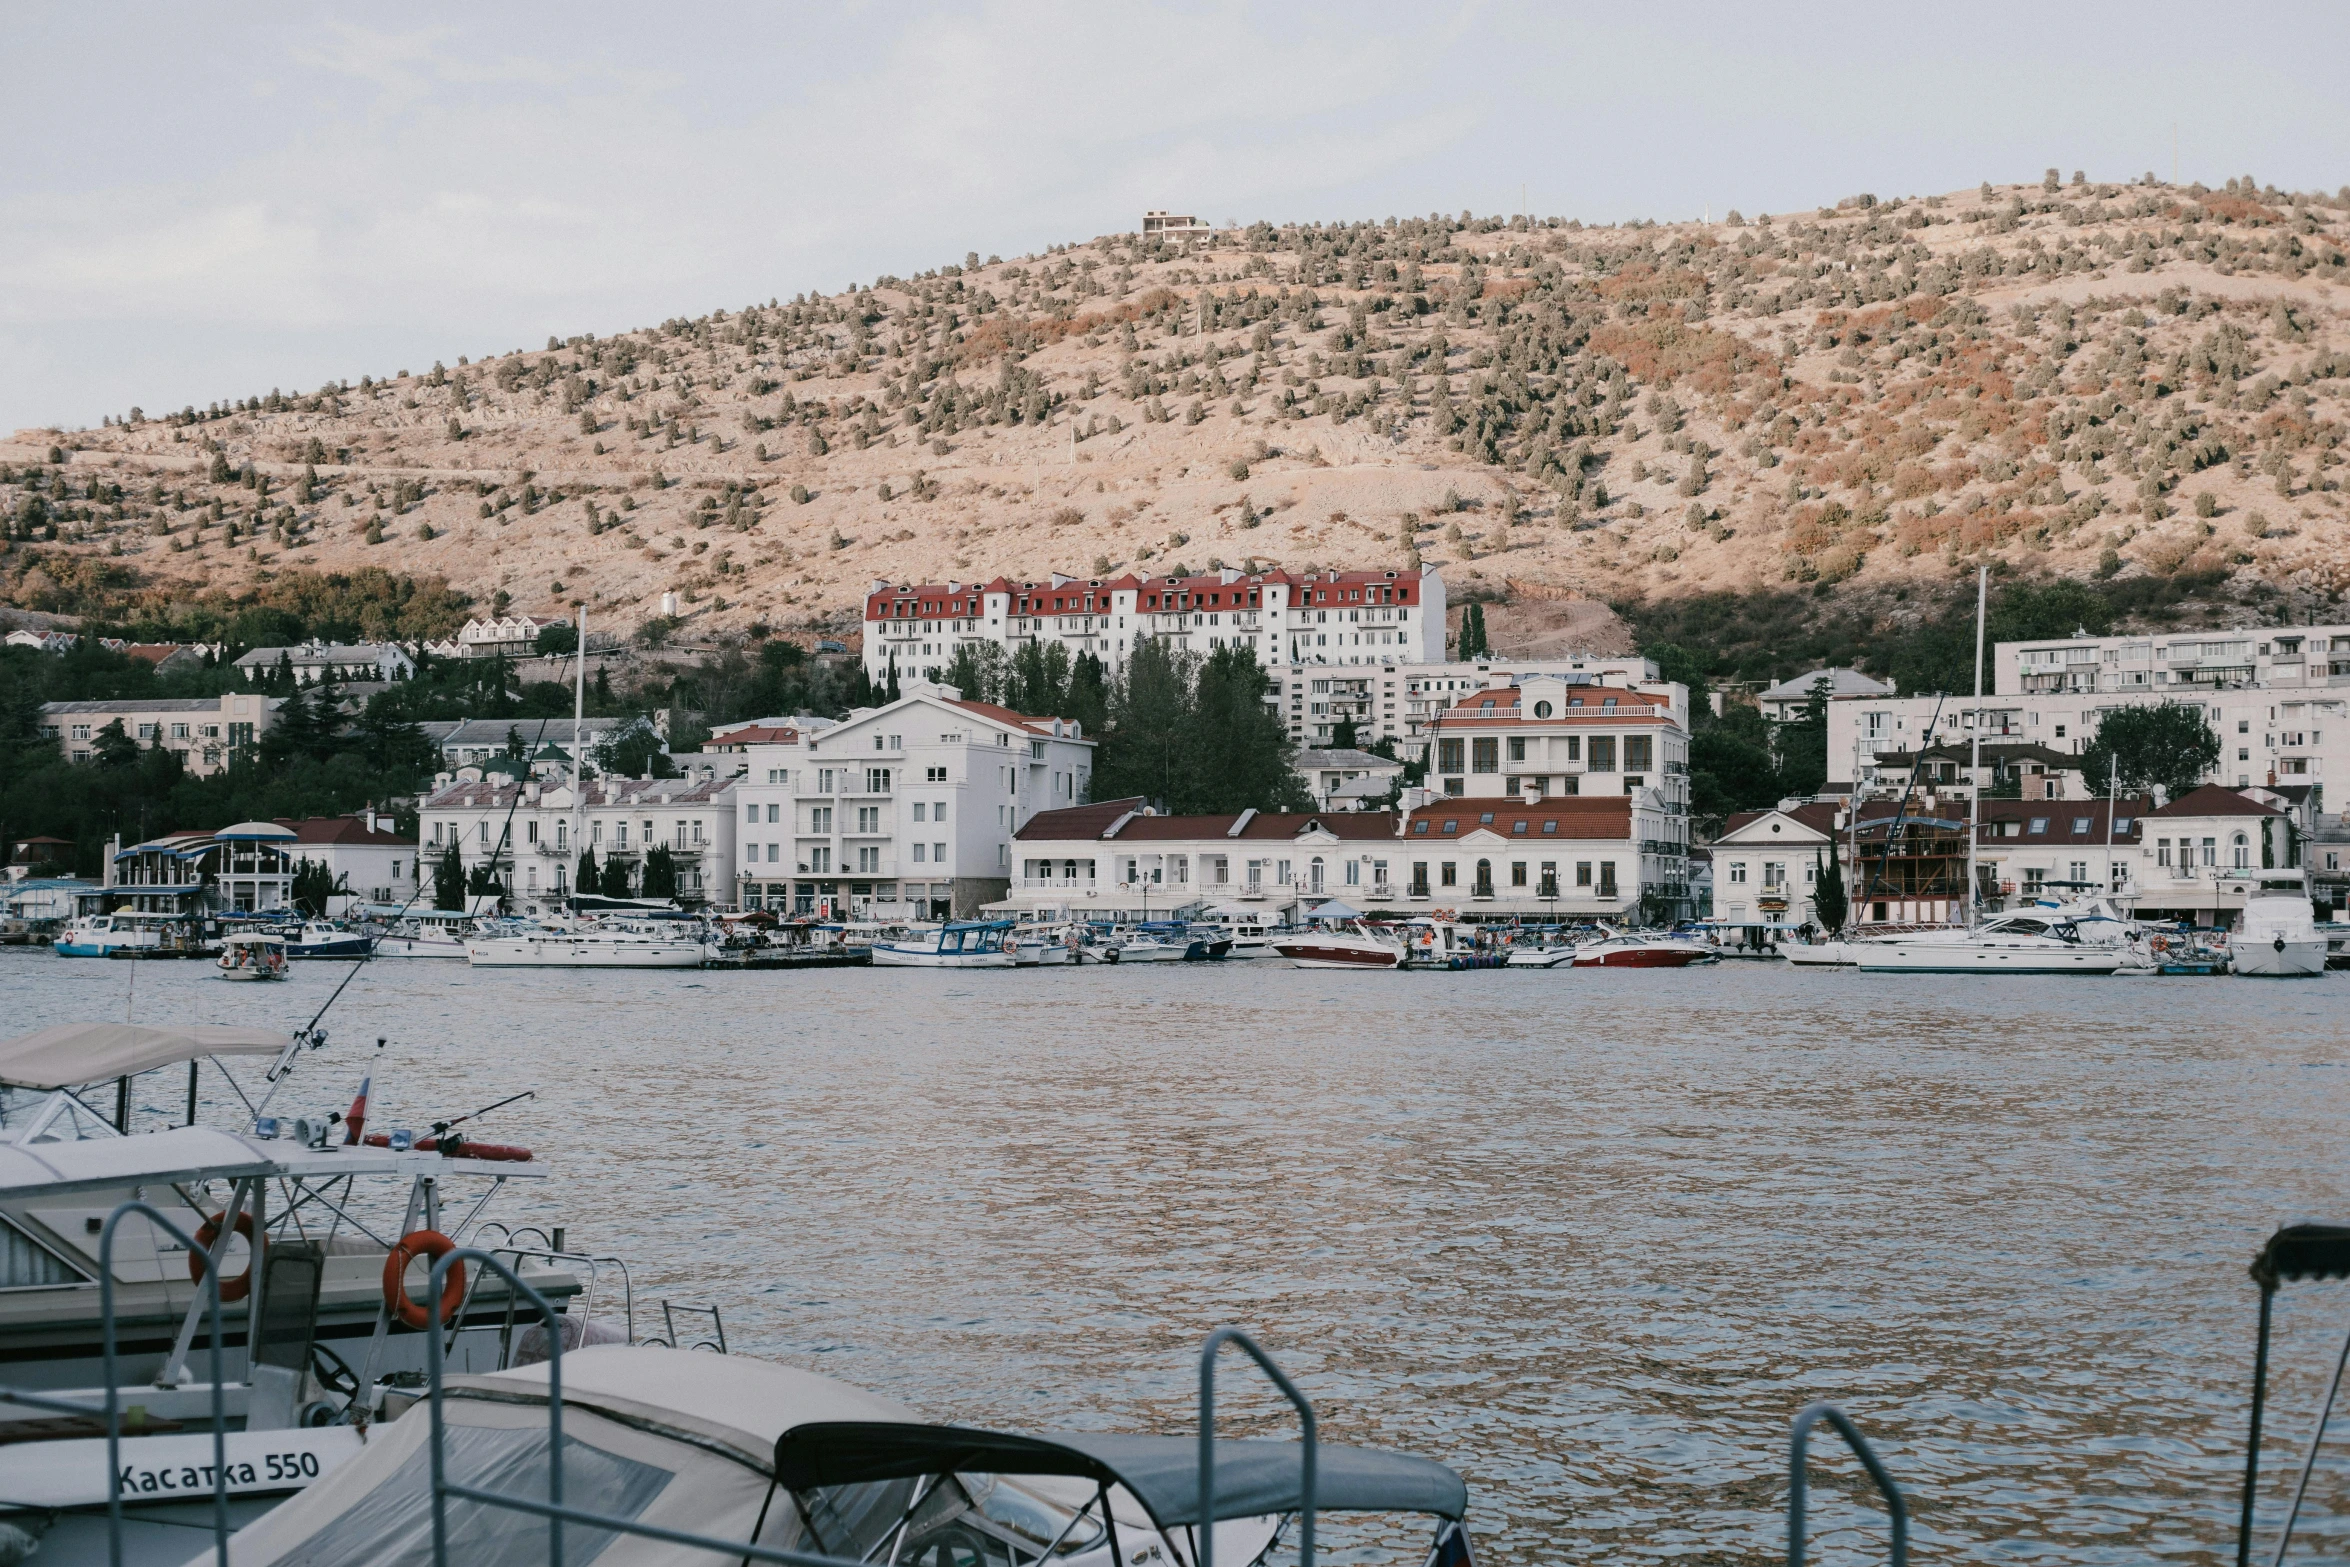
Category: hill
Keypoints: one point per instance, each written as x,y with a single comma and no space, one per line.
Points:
2072,379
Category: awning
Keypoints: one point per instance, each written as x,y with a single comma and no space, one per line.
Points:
1162,1472
1335,910
74,1053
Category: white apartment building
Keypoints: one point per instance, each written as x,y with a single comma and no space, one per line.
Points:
1556,858
1318,618
1400,701
340,662
362,852
534,830
903,811
205,731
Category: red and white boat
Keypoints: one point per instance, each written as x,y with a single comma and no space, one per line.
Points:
1351,945
1639,952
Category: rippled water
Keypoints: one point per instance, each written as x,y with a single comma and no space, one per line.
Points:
1593,1238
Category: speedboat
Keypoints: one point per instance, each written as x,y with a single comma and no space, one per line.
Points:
253,955
1346,944
2278,936
1250,937
318,939
1639,951
1142,946
622,943
1556,952
1038,946
1817,954
956,944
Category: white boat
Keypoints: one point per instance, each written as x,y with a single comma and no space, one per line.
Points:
103,935
603,944
957,944
2278,937
1041,946
253,955
2011,944
1143,947
1817,954
1251,937
1347,944
435,933
1634,950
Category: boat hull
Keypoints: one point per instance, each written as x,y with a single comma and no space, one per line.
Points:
1819,954
1638,957
2286,959
419,947
887,957
1542,957
1958,958
1332,954
528,952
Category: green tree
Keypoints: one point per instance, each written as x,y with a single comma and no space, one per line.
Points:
556,640
1342,734
313,885
1088,696
1473,641
448,879
615,879
660,872
1240,751
584,876
635,750
2167,746
1802,745
1143,751
1827,894
114,747
1731,767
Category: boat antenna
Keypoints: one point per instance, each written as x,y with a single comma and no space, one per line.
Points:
2113,794
1974,826
578,777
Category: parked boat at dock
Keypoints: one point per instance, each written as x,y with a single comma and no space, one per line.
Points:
956,944
2278,936
619,944
1636,950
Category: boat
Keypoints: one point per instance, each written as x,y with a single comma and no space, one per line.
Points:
2011,944
620,943
432,933
956,944
1351,944
253,955
318,939
2277,937
1250,936
1817,954
130,933
1634,949
1043,946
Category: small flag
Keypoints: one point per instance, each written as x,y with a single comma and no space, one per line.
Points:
356,1121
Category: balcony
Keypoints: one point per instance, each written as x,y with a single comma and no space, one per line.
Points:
1379,892
1057,884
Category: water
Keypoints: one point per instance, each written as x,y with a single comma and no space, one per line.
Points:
1592,1237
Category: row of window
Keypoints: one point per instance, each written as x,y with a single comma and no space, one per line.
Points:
1485,754
687,833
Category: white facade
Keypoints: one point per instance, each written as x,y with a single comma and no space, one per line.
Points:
361,852
903,811
1321,618
340,662
1401,701
535,831
205,731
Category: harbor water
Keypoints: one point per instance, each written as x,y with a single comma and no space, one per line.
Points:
1591,1236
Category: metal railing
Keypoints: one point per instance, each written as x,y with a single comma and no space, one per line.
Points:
1798,1449
1204,1542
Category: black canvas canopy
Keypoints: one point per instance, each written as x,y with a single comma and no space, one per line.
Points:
1162,1472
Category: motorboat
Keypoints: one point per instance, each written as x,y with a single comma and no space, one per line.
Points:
1142,946
617,943
1043,946
956,944
430,933
1635,950
2011,944
1351,944
710,1455
2277,937
319,939
1250,936
1551,949
253,955
1215,940
1831,953
130,933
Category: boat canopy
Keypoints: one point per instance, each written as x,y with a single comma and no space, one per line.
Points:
2304,1251
1334,910
183,1154
72,1053
1162,1472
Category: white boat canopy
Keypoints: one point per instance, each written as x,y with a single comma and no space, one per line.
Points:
1334,910
183,1154
74,1053
676,1439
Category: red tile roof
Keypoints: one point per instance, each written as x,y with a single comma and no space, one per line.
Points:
2212,800
1077,821
343,830
1577,816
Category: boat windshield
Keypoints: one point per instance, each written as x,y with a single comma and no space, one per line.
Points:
977,1519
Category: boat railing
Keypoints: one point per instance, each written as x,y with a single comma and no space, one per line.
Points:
554,1509
672,1309
1798,1480
551,1251
1204,1536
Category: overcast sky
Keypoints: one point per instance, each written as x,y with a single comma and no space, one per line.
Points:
204,202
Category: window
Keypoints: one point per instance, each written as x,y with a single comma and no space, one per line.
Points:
920,811
920,853
1517,873
2242,850
1607,878
1448,754
1574,748
1542,710
2162,851
1582,873
1549,887
1448,874
2210,852
1738,872
1639,753
938,810
868,818
2037,825
1603,753
2080,825
1517,749
1484,884
869,860
820,860
820,818
1419,878
934,775
750,813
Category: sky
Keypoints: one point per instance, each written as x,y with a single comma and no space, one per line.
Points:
206,202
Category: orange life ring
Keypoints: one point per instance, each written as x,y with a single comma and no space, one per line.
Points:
236,1288
433,1245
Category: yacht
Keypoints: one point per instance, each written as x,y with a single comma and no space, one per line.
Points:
319,939
253,955
1250,936
130,933
2020,943
2278,936
956,944
433,933
592,944
1634,950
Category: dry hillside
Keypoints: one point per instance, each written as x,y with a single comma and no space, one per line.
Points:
2087,379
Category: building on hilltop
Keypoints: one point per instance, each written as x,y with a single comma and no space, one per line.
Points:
902,811
315,661
1168,225
1790,699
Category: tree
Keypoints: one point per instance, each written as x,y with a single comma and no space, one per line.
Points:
314,885
615,879
1473,640
1240,751
1730,766
634,750
114,747
2168,746
660,872
556,640
1827,894
1342,735
583,876
448,879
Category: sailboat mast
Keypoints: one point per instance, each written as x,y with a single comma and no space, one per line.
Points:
1974,829
578,723
2113,794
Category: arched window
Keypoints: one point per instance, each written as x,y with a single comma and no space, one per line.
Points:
2243,852
1484,888
1314,871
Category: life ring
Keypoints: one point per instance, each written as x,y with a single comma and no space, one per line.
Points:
236,1288
433,1245
2160,943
